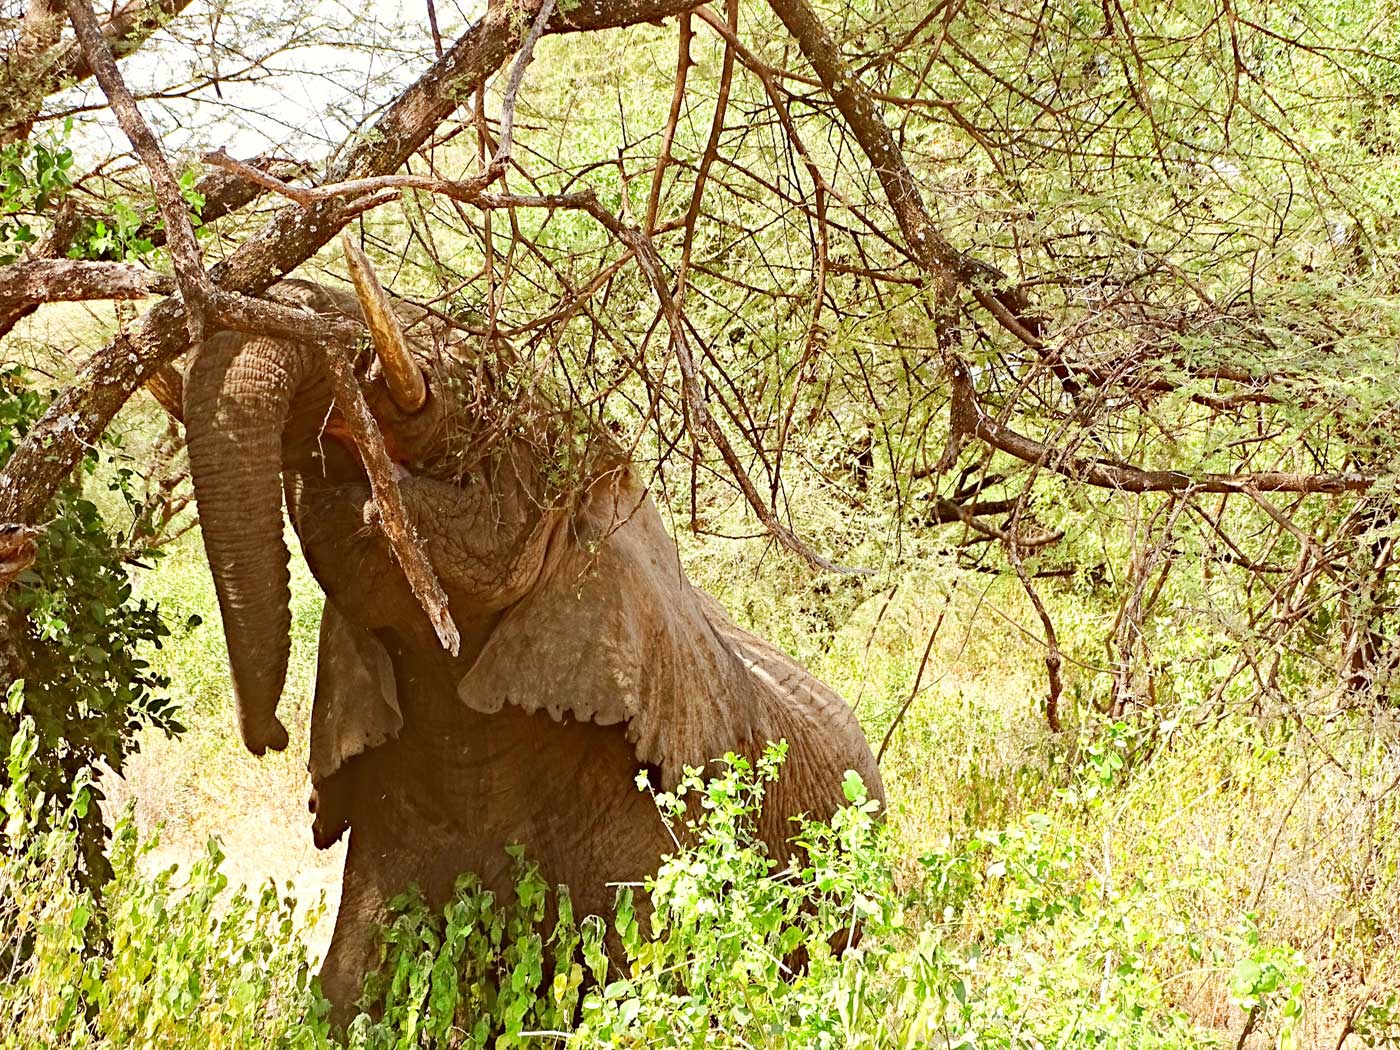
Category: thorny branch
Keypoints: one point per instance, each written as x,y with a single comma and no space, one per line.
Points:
87,405
371,191
1073,406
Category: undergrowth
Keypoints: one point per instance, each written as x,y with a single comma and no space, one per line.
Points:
1005,936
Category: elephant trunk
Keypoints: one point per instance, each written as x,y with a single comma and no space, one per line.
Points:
240,395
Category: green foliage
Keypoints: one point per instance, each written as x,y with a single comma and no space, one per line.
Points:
1377,1023
1269,978
1019,936
733,949
474,974
1001,943
83,635
123,231
156,960
115,236
35,174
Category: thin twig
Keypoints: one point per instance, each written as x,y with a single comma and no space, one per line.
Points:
668,136
466,190
707,158
517,74
1053,658
918,678
433,26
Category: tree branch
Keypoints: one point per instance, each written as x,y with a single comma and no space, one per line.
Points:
465,190
223,194
32,74
184,249
85,408
384,488
28,283
930,248
1127,478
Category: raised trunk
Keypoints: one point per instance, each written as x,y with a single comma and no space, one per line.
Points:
240,396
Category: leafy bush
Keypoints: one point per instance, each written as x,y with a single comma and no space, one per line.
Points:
155,961
1004,938
81,634
1001,942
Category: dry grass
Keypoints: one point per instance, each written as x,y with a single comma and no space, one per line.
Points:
204,784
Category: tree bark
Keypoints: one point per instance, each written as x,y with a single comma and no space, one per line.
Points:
292,235
74,280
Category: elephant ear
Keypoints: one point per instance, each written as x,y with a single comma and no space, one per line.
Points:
613,632
356,706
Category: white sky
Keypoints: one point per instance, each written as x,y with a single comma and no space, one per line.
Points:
288,86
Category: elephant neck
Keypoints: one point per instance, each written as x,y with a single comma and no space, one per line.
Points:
418,655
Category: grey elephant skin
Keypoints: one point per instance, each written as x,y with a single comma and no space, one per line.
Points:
586,652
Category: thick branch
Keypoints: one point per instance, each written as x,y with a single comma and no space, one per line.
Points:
384,487
73,280
950,512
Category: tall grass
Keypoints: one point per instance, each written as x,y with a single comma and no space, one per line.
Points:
1068,925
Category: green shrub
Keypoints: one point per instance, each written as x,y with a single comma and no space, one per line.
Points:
1004,938
82,636
1001,943
156,960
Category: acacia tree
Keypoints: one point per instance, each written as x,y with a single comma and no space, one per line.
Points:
995,277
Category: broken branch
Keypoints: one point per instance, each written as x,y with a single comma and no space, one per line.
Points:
384,487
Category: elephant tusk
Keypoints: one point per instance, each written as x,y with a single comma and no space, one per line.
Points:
401,375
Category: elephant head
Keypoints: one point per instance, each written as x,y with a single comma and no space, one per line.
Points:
570,595
256,406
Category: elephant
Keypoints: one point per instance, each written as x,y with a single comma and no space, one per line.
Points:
586,653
